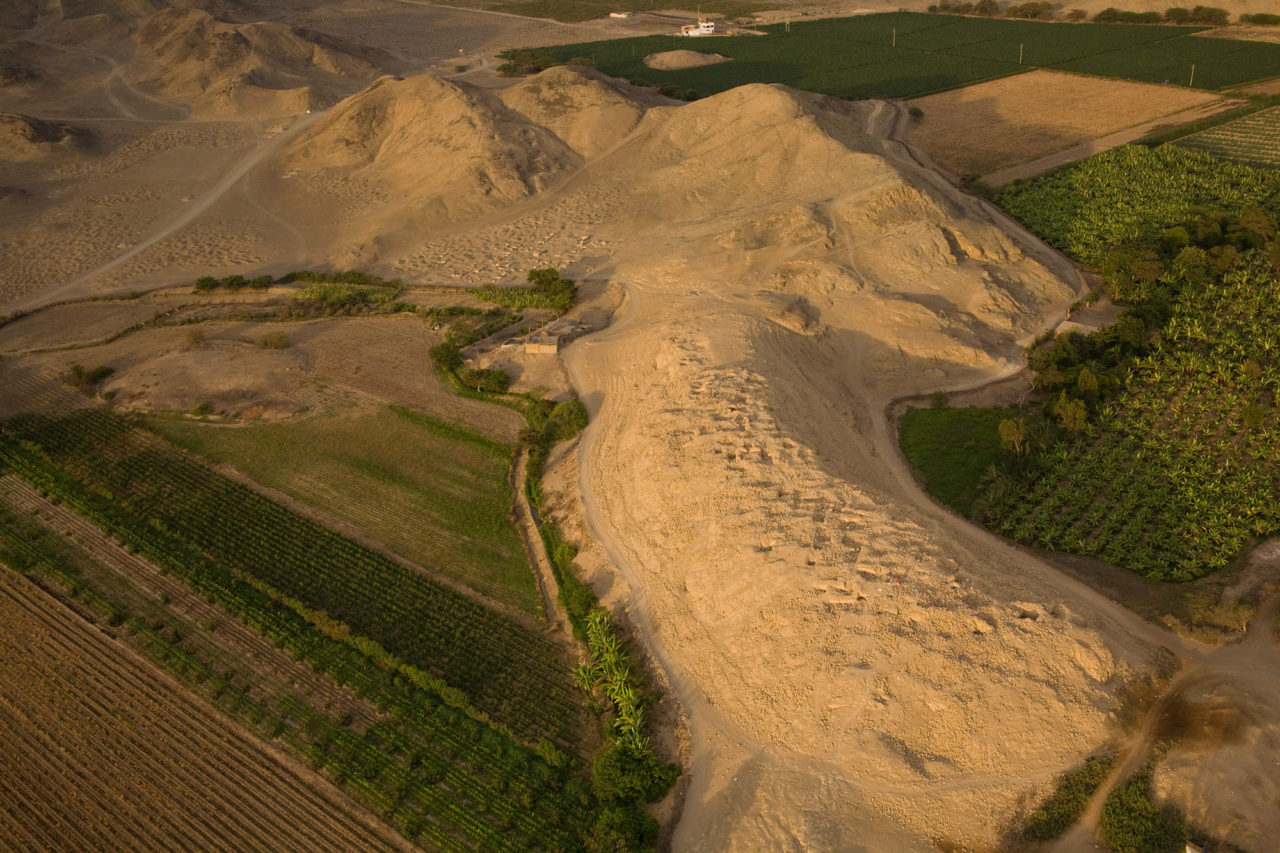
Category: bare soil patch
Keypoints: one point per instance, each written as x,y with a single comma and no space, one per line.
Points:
676,60
979,129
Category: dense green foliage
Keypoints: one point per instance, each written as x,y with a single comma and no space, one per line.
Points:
207,283
1181,468
1061,809
1154,446
548,290
1132,823
952,449
1131,194
187,517
1253,140
903,54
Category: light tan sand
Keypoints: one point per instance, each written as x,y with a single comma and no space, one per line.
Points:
676,60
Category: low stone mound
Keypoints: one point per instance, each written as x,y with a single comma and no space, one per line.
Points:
678,60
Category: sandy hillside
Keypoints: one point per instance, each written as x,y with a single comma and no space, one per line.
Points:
224,68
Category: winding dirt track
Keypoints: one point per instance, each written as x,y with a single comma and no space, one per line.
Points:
99,751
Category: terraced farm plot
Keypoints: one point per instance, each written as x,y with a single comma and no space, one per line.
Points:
1253,140
434,494
98,751
905,54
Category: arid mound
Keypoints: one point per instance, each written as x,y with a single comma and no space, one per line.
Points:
676,60
588,110
225,68
25,139
444,150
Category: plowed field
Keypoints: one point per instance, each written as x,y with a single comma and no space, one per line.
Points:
98,751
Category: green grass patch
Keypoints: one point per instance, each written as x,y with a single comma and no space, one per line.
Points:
906,54
432,492
951,450
1062,808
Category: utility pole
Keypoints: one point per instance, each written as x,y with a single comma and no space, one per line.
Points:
894,43
1020,46
1192,82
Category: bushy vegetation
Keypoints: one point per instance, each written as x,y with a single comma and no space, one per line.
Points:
1261,19
233,283
1132,822
548,289
1132,195
1152,443
903,54
86,379
1062,808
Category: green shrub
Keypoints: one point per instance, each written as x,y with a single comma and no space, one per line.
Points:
1133,823
1261,19
206,283
1060,811
274,340
84,379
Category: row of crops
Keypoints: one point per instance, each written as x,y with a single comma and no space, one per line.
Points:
1253,140
1157,447
904,54
445,779
1131,193
186,515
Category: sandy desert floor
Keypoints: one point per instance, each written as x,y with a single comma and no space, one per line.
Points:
857,668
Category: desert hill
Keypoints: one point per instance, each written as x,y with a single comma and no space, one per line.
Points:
27,139
226,68
590,111
433,150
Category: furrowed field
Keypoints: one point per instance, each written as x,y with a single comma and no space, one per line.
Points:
1156,442
903,54
435,494
1253,140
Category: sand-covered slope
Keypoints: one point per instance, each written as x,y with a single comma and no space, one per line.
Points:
226,68
27,139
420,152
588,110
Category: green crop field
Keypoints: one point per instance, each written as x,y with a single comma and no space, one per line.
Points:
190,519
904,54
1253,140
1089,207
436,494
